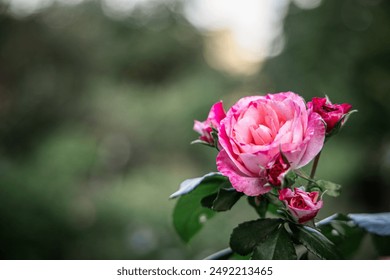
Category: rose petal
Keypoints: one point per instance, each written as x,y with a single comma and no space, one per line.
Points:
255,162
251,186
216,114
315,136
285,194
230,150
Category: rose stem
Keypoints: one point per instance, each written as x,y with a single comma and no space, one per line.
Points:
315,164
221,255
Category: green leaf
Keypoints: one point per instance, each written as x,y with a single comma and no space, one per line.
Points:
378,223
381,244
190,184
198,141
277,246
189,215
260,204
315,242
268,202
330,188
304,256
214,134
223,200
343,232
248,235
238,257
289,179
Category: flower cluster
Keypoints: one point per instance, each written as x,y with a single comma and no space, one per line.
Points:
263,139
263,143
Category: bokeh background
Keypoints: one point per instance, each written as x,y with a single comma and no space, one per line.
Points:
98,98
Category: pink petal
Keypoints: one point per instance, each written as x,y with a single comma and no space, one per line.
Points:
251,186
216,114
230,148
285,194
346,107
255,162
199,126
315,136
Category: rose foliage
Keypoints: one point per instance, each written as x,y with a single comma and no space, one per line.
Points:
263,141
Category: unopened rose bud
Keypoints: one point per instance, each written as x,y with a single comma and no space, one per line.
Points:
332,114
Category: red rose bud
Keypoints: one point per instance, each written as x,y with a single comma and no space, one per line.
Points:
277,170
303,206
332,114
205,128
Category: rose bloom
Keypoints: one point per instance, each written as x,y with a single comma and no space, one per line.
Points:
257,128
304,206
216,114
331,113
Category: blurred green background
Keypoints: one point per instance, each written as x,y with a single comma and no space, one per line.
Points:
97,109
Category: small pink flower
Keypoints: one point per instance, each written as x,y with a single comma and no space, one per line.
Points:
304,206
276,171
257,129
331,113
216,114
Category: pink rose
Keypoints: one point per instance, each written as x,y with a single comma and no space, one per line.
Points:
216,114
276,171
257,128
331,113
304,206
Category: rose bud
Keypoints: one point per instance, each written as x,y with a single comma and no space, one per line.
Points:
205,128
332,114
302,205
